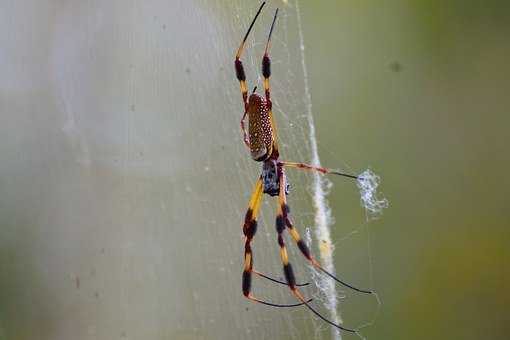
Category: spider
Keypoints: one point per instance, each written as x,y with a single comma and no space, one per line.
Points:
261,139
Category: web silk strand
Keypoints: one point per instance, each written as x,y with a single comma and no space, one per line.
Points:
322,210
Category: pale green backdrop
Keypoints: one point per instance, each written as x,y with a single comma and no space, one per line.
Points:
123,178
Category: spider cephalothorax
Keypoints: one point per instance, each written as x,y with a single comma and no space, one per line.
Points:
270,178
262,142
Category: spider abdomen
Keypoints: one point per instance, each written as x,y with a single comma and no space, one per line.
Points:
260,130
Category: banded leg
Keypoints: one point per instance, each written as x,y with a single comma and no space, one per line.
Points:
278,281
309,167
249,230
241,76
266,72
281,219
266,62
301,244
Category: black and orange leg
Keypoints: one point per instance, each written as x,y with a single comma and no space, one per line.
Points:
249,230
266,62
266,73
241,75
309,167
265,276
302,245
281,217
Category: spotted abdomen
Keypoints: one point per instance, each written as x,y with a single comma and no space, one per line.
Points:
260,130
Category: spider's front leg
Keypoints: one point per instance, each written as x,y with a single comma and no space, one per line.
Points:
241,75
266,72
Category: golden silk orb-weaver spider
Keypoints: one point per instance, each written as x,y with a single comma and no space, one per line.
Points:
261,139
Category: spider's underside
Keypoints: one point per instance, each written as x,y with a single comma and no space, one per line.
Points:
270,179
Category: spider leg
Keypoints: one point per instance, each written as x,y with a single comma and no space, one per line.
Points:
241,75
294,233
266,72
309,167
287,268
301,244
249,230
266,62
277,281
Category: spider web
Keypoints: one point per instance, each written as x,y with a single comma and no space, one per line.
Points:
134,201
292,102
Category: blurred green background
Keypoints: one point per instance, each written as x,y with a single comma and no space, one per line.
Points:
419,90
123,178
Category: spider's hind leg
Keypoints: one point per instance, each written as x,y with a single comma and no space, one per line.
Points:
249,230
281,224
295,234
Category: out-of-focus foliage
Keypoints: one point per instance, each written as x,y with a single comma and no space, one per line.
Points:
419,91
